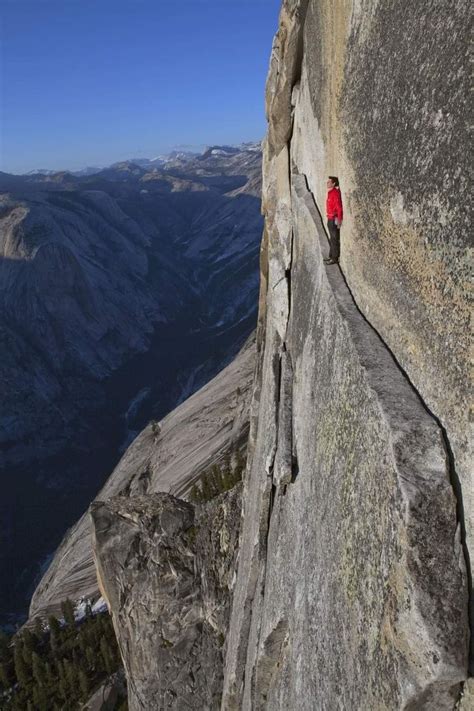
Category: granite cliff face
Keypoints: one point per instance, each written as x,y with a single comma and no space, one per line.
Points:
166,571
352,588
353,572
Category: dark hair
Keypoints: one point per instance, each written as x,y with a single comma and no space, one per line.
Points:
334,180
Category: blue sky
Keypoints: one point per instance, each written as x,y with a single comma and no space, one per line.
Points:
88,82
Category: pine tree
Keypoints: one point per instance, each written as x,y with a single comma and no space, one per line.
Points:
22,672
83,642
67,608
40,700
107,655
28,640
83,683
5,679
62,686
39,670
91,657
27,654
59,669
39,631
54,632
94,632
49,674
71,677
54,625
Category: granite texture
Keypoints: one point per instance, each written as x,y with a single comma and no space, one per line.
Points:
353,576
381,101
166,572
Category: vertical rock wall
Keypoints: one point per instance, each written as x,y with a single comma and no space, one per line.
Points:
380,99
352,586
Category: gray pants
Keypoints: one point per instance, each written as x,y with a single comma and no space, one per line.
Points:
334,241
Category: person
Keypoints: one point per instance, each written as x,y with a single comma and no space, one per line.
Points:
334,215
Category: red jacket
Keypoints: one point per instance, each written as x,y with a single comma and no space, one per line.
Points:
334,204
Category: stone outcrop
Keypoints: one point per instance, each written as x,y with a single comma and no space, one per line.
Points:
353,577
108,695
194,436
166,571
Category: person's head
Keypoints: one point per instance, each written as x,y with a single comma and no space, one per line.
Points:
332,182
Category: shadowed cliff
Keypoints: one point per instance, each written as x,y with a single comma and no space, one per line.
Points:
105,282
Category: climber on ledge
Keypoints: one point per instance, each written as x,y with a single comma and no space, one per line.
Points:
334,215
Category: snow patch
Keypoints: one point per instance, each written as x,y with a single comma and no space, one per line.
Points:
99,606
83,604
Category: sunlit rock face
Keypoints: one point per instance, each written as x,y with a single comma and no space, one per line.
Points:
381,102
166,571
352,585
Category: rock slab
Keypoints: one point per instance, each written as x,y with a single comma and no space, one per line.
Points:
166,571
193,437
352,585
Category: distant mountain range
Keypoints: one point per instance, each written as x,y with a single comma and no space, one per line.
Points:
160,160
121,292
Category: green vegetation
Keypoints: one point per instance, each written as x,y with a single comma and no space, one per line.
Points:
216,480
58,667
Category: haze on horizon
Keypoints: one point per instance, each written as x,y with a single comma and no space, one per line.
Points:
87,83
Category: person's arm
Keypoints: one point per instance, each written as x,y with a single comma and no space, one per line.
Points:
339,212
